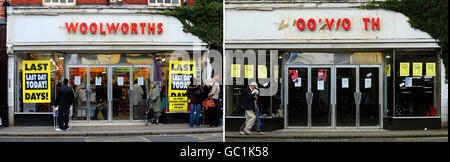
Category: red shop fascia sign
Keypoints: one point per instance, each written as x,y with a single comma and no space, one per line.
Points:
114,28
336,23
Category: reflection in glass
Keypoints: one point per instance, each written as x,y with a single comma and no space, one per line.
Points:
421,96
369,88
142,75
297,104
345,101
77,76
98,86
121,99
321,89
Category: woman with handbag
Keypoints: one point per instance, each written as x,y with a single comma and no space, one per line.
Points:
214,94
194,93
206,89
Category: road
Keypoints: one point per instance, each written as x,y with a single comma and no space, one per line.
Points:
418,139
210,137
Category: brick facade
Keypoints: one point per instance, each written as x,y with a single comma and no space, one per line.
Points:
88,2
2,9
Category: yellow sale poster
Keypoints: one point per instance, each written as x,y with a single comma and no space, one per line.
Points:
431,69
235,70
249,71
262,71
36,81
387,69
404,68
180,74
417,69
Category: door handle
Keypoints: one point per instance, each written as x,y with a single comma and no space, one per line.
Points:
309,97
357,96
130,94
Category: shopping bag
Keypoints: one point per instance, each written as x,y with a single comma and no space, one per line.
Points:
208,103
71,111
55,111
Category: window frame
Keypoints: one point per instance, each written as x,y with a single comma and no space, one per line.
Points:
59,3
163,4
437,80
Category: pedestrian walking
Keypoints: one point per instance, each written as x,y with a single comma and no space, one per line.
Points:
257,112
155,102
214,94
248,105
64,99
194,93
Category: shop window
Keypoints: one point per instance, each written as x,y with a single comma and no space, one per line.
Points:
270,106
58,2
164,2
105,59
358,58
310,58
417,89
387,89
56,75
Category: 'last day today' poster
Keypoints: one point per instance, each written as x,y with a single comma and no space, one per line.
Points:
36,81
180,74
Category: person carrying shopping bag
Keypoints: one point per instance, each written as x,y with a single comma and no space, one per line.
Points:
214,94
64,100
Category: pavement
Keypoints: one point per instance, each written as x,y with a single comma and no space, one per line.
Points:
110,129
339,134
204,137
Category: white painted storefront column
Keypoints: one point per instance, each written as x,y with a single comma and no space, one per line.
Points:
11,88
444,98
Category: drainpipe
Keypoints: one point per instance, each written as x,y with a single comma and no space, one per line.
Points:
6,3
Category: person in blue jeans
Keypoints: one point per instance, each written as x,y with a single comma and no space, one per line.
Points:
194,93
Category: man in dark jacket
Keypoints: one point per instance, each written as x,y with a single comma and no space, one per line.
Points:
248,105
64,99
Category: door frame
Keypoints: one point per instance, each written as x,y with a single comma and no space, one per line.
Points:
309,109
333,93
130,95
151,79
356,67
109,90
332,99
88,87
380,94
286,98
